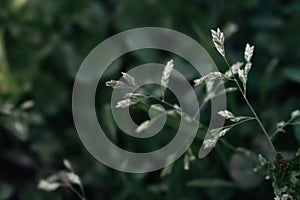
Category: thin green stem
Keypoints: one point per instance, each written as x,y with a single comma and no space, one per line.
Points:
80,186
170,105
223,141
261,125
252,109
82,191
159,116
294,124
75,192
163,94
275,133
200,108
227,144
233,75
240,122
206,100
288,123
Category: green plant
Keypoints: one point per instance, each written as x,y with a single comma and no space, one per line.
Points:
285,173
64,179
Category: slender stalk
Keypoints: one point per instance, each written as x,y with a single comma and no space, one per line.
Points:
240,122
288,123
163,94
82,196
227,144
202,105
294,124
223,141
251,108
261,125
76,192
82,192
170,105
207,100
275,133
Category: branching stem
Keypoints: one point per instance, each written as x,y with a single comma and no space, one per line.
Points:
251,108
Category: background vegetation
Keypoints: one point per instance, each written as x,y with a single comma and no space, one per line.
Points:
42,44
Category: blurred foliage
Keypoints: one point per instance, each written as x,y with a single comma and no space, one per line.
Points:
286,176
42,44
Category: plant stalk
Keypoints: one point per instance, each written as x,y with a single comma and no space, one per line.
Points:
252,109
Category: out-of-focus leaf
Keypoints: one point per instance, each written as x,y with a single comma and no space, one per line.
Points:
297,133
108,122
137,189
6,191
292,73
270,43
157,17
292,8
286,176
248,156
52,95
214,193
20,130
42,148
113,69
7,81
211,183
167,170
266,21
242,173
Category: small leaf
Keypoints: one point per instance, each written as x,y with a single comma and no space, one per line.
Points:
295,114
115,84
209,78
167,170
47,186
234,69
210,143
130,79
67,164
124,103
73,178
143,126
27,105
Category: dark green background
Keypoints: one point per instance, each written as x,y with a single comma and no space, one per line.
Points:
42,45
